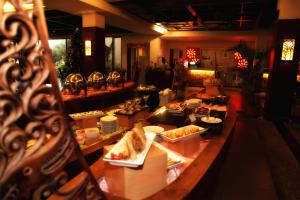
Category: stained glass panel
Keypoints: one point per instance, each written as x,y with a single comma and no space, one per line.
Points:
288,49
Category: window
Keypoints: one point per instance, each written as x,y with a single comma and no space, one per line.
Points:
112,53
288,49
59,51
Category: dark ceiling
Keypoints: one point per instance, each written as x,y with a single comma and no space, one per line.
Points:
203,14
62,24
183,15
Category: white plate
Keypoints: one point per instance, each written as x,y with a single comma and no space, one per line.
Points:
171,154
154,129
131,163
84,115
211,120
201,130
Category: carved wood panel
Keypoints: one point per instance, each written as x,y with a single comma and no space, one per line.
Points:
30,111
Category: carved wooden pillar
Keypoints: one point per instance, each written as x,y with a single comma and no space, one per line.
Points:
282,80
32,111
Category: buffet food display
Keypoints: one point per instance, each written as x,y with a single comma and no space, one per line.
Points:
88,114
201,111
211,120
130,107
182,133
146,88
135,155
176,107
132,149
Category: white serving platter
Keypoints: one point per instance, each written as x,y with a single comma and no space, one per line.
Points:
172,155
129,162
211,120
85,115
154,129
185,137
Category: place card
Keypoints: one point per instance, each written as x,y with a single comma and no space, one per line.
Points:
192,117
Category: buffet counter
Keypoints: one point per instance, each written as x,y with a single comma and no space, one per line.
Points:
202,155
196,76
95,99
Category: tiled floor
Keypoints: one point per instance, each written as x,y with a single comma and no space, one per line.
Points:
245,174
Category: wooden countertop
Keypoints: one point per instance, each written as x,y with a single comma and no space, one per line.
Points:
192,174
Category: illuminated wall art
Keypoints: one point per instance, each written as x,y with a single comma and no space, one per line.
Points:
288,49
241,62
192,54
88,47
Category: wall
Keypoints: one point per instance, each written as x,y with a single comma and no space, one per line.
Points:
218,41
288,9
156,46
221,40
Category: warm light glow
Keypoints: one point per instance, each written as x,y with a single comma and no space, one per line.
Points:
288,49
8,7
240,61
159,29
88,47
204,73
192,54
140,51
161,110
265,75
195,60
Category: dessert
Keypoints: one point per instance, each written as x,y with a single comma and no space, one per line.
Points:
179,106
181,132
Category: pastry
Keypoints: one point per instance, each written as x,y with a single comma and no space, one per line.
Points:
133,143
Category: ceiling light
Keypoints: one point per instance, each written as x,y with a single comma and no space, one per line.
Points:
160,29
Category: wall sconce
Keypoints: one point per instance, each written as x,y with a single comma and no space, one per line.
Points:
288,49
87,47
140,51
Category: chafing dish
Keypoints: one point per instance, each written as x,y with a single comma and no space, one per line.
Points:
75,83
97,80
114,78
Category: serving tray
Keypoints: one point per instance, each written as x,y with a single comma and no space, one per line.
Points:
184,137
129,162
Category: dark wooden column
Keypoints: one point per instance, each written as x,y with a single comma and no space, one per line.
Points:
282,80
95,62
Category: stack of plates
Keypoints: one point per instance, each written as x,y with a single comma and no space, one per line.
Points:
109,124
